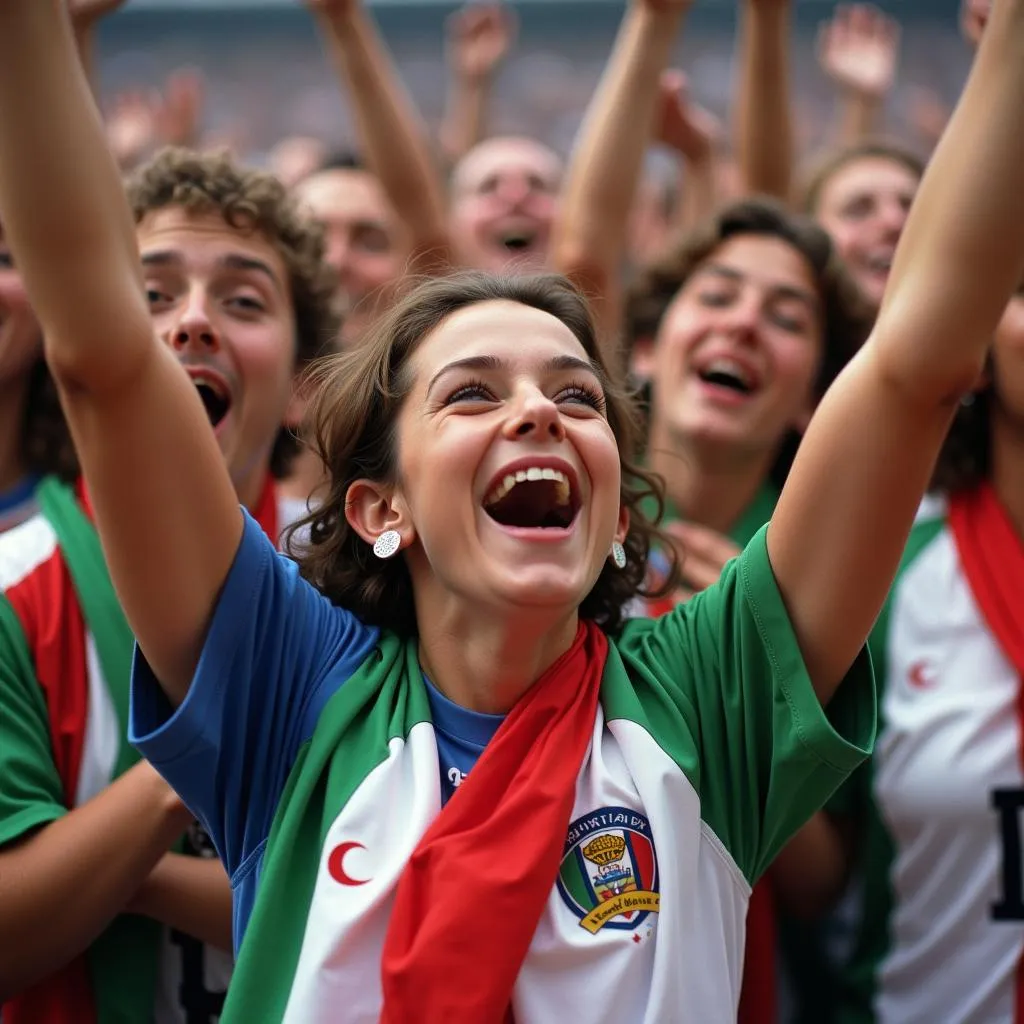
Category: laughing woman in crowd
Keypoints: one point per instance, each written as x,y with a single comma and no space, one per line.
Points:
460,606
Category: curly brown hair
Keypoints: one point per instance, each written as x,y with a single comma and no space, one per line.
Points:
251,201
847,319
358,397
45,440
966,456
870,149
47,447
965,460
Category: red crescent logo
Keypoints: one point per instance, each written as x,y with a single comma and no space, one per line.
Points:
336,864
920,676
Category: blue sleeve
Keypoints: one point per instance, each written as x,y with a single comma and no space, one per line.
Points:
275,652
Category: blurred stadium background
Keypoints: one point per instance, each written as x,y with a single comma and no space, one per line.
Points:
267,75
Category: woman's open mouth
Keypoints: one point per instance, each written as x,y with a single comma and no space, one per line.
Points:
533,497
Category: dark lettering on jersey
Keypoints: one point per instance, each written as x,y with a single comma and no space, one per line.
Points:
198,842
1008,804
199,1005
616,817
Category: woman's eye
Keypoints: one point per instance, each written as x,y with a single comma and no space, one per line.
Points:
789,323
582,395
474,392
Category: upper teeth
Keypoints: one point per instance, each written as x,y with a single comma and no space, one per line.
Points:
883,263
215,386
730,368
531,473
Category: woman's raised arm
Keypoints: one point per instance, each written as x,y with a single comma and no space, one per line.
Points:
164,502
838,532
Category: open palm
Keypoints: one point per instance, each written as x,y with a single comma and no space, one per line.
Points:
681,124
331,7
858,48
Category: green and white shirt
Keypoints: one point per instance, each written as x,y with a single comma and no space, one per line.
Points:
65,665
307,748
941,930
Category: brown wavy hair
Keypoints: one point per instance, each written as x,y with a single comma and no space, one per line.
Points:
354,415
252,200
846,317
47,448
965,460
870,149
966,456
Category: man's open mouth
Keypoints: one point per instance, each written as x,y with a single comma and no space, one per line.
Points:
518,240
533,497
215,396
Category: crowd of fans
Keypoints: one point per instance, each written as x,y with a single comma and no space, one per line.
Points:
681,765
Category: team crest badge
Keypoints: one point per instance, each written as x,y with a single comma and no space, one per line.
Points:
609,872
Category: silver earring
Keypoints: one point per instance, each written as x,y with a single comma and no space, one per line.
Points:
618,555
387,544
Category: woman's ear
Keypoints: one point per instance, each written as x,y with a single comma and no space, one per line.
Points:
372,509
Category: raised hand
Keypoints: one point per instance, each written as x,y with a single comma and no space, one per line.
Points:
332,8
672,5
703,554
85,13
859,50
927,113
682,124
132,126
179,117
973,19
480,36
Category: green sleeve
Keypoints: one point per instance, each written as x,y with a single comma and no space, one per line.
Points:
749,731
31,793
853,797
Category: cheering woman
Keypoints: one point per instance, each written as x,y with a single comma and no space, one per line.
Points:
448,780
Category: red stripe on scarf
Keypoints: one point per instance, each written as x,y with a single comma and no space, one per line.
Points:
475,887
992,557
266,514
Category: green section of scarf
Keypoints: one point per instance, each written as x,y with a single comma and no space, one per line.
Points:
123,960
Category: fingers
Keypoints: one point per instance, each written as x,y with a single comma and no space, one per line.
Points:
476,19
675,83
857,25
703,553
701,542
974,15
